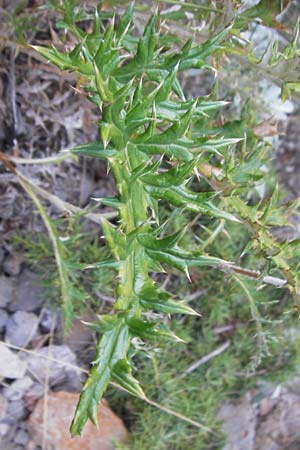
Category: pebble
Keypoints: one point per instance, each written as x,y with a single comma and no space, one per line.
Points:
80,339
4,429
11,365
60,410
3,319
17,389
16,411
28,294
21,328
57,372
6,291
32,395
49,320
21,437
31,445
12,264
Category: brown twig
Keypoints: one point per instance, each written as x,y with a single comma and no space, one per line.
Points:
207,358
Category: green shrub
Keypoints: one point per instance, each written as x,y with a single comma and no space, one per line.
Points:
185,181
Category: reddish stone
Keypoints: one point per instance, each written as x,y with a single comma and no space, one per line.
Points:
60,410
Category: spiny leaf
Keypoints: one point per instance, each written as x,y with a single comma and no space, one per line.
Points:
93,149
159,300
150,241
110,363
182,197
166,87
173,177
182,260
124,22
180,150
150,330
61,60
115,239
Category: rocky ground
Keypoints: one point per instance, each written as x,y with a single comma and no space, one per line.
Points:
266,418
41,372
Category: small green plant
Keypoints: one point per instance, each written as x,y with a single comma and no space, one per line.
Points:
166,153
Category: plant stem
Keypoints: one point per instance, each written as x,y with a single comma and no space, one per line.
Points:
192,6
132,197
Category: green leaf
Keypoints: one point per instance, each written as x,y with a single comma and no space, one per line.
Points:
194,57
109,201
182,260
173,177
182,197
121,373
159,300
150,330
147,43
288,88
110,363
61,60
167,85
150,241
102,85
93,149
116,240
137,114
167,306
179,150
125,22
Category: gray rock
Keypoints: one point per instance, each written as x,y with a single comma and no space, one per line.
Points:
239,424
21,328
9,428
28,294
32,446
6,291
16,410
3,319
4,430
21,437
17,389
80,338
49,320
36,392
60,371
12,264
279,429
11,365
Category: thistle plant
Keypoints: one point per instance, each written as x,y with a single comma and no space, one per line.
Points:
157,146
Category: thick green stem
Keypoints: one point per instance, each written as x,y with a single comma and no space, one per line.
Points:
133,213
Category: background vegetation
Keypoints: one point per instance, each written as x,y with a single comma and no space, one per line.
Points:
244,315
